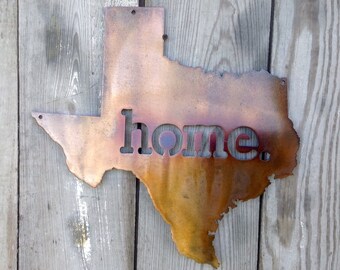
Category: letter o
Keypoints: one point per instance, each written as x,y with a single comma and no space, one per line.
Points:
157,133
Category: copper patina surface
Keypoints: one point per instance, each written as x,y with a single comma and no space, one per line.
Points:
191,193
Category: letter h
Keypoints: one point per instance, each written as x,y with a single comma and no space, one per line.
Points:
129,128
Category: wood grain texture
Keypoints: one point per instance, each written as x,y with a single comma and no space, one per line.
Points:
8,134
301,215
65,224
220,36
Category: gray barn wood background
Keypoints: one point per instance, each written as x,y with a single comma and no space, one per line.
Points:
51,60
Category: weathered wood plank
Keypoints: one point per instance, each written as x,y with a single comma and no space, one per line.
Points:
8,134
219,36
65,224
301,215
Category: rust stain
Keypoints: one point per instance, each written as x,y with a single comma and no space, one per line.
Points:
191,193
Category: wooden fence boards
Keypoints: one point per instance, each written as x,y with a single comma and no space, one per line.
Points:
65,224
219,36
301,214
8,134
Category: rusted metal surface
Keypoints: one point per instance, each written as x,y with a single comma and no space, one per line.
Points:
190,192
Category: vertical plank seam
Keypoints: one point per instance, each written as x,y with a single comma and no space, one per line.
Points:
18,138
259,234
271,30
141,3
270,45
136,224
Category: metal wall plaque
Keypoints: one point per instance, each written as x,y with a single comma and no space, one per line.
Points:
198,141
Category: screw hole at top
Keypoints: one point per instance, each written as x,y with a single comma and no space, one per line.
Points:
40,116
283,82
165,37
133,12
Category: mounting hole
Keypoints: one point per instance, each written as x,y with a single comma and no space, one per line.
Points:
165,37
40,116
265,156
133,12
283,82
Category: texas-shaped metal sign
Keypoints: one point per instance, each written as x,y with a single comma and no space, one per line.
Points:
198,141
